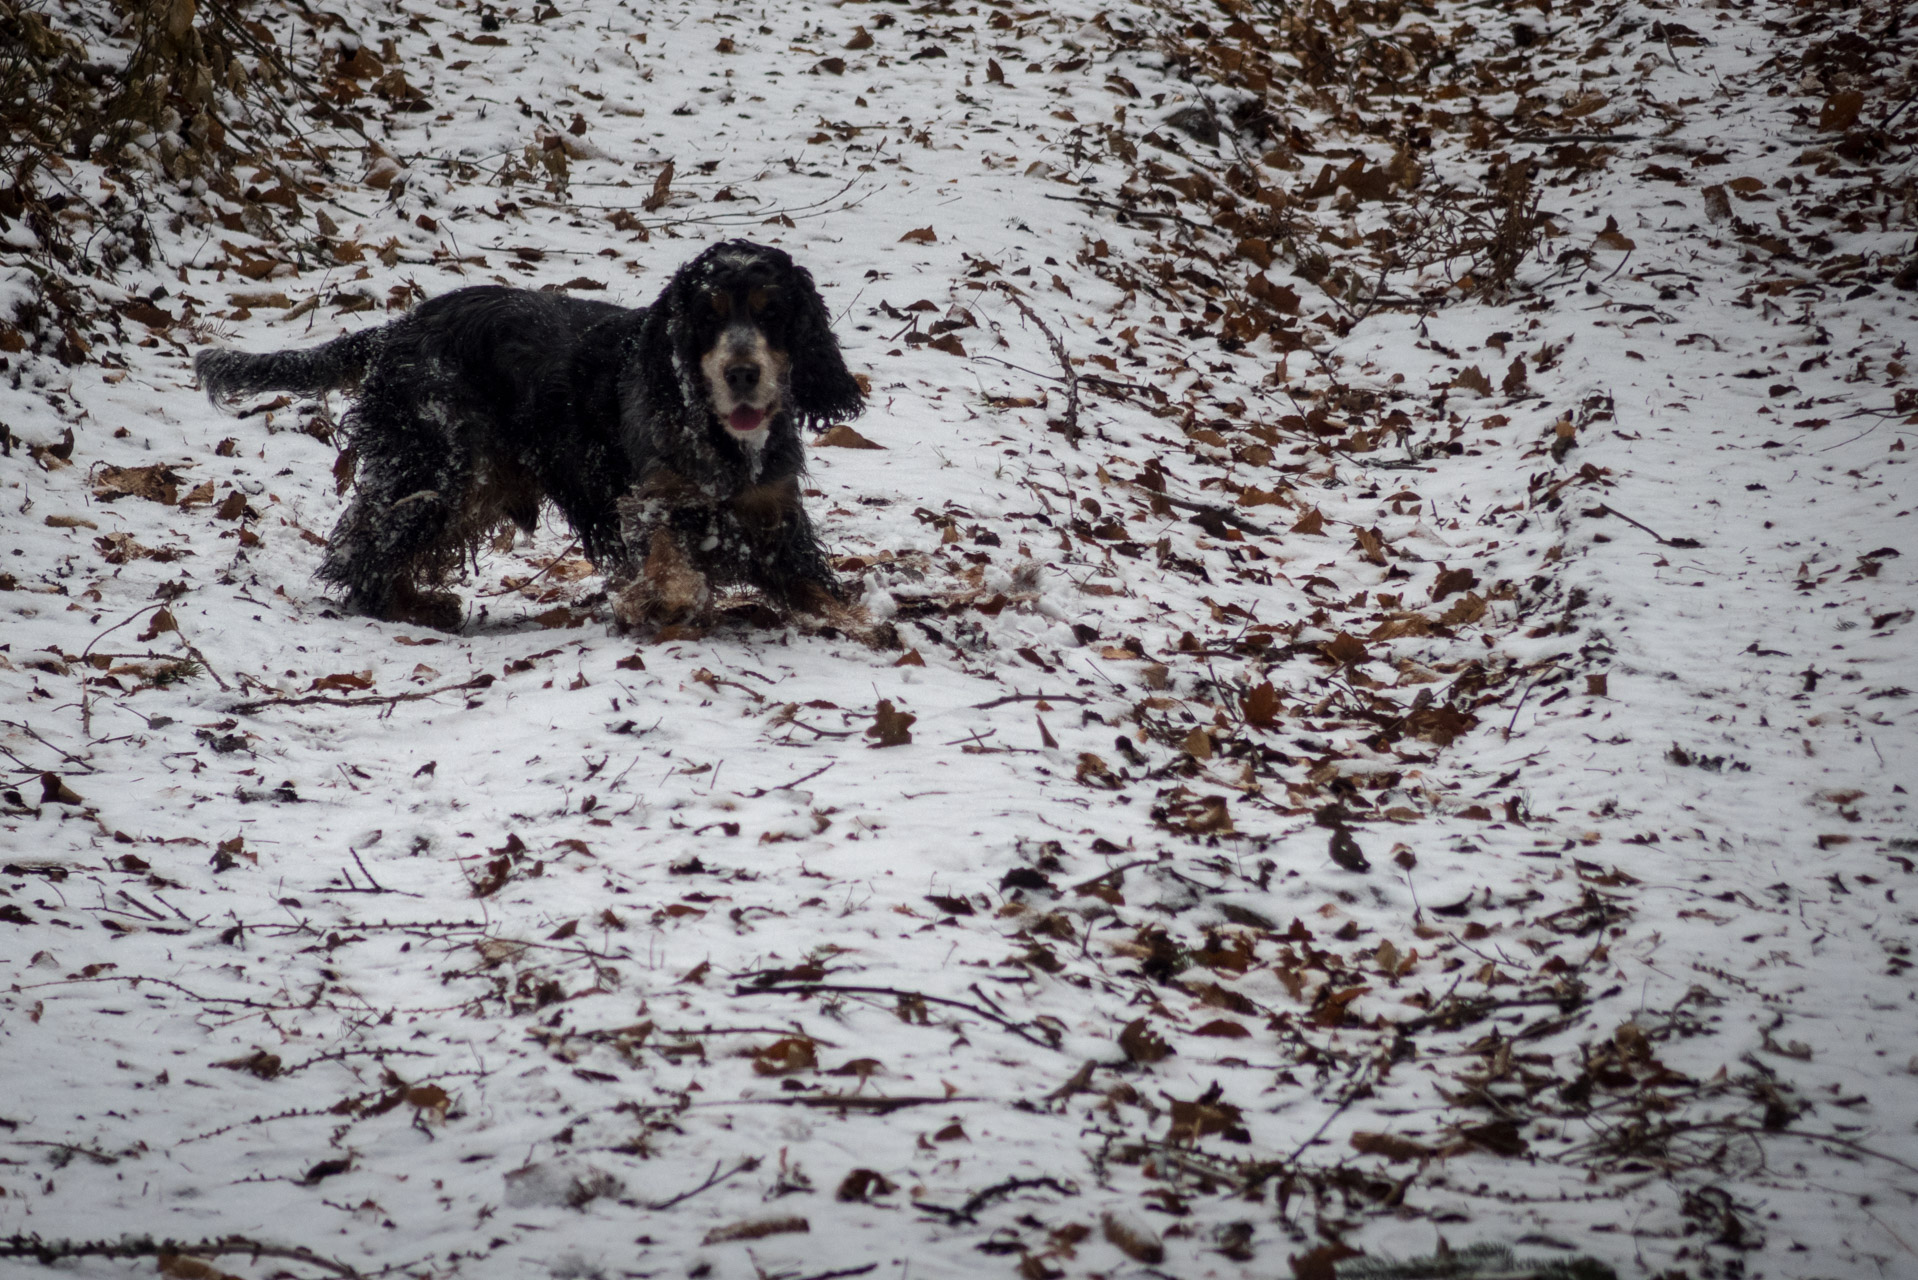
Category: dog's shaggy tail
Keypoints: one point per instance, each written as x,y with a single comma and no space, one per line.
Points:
340,363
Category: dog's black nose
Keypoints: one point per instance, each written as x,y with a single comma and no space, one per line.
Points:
741,378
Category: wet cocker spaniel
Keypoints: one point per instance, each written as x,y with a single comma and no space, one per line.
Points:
668,436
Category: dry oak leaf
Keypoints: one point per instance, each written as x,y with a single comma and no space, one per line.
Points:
784,1056
1224,1029
1612,238
429,1098
53,790
1840,111
891,726
662,189
1206,1115
345,680
1718,205
1390,1147
1345,649
162,620
1132,1237
844,437
1472,378
1346,853
920,235
1451,580
1311,522
158,483
1142,1044
1469,607
1260,705
1212,818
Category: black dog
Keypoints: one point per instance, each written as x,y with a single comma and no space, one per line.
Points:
667,436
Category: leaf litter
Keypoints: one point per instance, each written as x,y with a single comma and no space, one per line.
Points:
1392,763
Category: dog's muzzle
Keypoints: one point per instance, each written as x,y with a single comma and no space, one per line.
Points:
742,380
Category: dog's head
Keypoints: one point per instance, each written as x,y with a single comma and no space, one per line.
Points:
751,340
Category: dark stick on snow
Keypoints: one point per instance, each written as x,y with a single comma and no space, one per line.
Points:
48,1252
1060,354
968,1212
1656,536
1230,517
757,792
843,1271
712,1180
897,993
379,700
851,1101
1027,697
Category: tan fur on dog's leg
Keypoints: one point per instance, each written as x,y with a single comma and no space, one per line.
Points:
853,620
668,588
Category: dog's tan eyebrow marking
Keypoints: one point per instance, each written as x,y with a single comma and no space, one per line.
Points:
722,303
759,299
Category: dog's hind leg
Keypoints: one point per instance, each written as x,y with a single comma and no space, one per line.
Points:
401,531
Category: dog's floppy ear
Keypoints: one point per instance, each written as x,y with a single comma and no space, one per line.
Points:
823,389
653,380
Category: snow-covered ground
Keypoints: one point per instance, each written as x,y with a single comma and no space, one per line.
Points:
1395,762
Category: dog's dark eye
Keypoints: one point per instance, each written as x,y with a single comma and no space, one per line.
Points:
722,303
758,300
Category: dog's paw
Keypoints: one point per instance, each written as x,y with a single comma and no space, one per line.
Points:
440,610
854,622
669,587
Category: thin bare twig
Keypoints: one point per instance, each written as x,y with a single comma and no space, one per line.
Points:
1663,541
898,993
712,1180
1059,353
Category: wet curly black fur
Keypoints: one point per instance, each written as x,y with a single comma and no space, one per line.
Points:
667,435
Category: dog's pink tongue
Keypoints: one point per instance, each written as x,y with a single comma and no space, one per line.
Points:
745,419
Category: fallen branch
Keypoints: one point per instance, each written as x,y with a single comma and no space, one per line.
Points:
1027,697
758,792
550,566
1224,513
978,1200
1662,540
51,1252
1131,211
849,1101
814,988
64,754
378,700
1059,353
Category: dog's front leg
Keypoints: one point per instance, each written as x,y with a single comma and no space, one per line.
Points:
782,553
668,587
